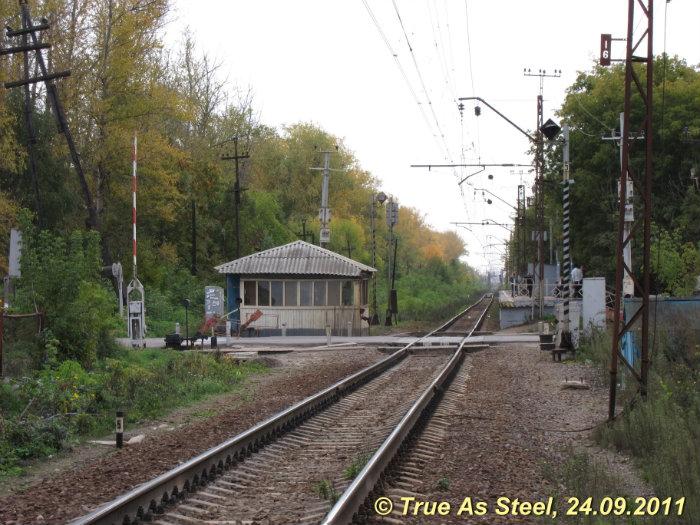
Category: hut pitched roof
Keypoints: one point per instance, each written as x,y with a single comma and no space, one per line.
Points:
296,258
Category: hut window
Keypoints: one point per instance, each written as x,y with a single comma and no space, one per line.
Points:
263,293
276,293
333,293
305,291
290,293
363,291
249,296
319,293
347,293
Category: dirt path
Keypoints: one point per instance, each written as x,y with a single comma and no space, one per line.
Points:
515,423
60,490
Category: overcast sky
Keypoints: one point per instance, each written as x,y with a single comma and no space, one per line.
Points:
328,62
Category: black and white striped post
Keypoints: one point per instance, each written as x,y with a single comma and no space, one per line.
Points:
566,278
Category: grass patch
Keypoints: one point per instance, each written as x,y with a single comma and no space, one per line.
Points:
584,478
356,466
443,484
56,406
596,349
662,433
664,437
204,414
326,490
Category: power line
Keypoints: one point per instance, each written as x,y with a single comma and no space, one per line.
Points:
471,73
402,71
445,146
421,80
469,46
605,126
440,50
446,66
449,36
442,146
661,141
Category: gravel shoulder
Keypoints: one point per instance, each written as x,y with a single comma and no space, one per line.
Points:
76,482
516,423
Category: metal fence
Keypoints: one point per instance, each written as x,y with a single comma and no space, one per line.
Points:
674,326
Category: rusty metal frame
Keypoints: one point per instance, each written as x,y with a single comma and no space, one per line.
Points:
642,183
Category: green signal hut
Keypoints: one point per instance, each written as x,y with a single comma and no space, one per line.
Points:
300,289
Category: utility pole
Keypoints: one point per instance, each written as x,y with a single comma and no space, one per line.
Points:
29,29
539,179
537,141
236,192
642,180
374,318
304,234
29,123
392,219
193,207
627,282
324,214
523,231
381,198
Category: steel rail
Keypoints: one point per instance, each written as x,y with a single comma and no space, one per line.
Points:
149,499
354,497
446,326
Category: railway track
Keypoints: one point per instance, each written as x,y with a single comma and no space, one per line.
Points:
405,477
395,468
292,467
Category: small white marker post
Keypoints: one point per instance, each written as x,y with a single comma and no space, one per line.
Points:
120,428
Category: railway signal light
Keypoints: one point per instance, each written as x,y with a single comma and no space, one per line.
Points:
392,214
550,129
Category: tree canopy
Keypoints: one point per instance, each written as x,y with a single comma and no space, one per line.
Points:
124,82
591,108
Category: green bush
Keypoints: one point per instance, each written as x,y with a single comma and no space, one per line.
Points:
83,323
164,307
596,348
56,405
663,433
435,292
61,278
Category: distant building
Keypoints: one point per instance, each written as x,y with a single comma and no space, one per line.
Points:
300,287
